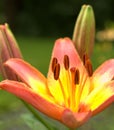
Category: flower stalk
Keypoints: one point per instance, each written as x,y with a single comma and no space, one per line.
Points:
37,116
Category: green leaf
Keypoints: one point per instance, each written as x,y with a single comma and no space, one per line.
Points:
32,122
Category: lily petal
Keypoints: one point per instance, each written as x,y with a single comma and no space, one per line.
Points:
29,75
74,120
100,97
103,74
22,91
62,47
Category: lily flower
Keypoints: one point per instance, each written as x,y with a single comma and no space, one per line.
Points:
72,93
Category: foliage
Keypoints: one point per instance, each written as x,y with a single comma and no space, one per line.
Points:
47,18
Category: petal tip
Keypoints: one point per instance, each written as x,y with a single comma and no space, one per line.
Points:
74,120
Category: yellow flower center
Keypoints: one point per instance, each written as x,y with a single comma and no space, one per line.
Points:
71,82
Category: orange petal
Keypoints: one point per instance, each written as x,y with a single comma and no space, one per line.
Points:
28,74
100,97
28,95
64,46
74,120
103,74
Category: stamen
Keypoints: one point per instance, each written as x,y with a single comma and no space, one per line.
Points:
85,58
66,62
89,68
54,62
73,88
77,77
112,78
87,64
73,70
56,71
63,92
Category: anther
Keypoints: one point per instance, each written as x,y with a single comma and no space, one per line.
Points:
73,69
85,58
56,71
77,77
54,62
89,68
66,62
112,78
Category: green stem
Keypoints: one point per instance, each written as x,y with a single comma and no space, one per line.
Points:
37,116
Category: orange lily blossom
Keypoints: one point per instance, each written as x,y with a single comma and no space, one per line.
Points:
71,93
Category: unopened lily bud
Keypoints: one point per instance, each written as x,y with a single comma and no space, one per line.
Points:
8,49
84,31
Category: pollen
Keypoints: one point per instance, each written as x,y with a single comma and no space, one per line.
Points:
54,62
66,62
88,65
112,78
56,71
85,58
89,68
77,77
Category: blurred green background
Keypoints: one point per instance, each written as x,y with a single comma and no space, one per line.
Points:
51,17
36,25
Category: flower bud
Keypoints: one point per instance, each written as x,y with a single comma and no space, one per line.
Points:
84,31
8,49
